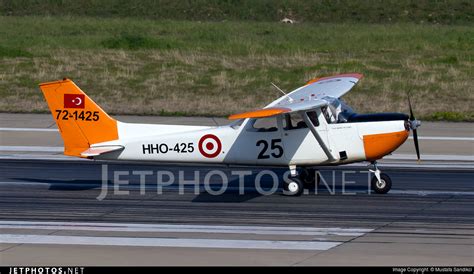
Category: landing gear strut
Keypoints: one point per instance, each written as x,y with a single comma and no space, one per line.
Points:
306,178
293,186
381,182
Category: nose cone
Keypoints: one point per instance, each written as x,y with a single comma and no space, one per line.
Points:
378,145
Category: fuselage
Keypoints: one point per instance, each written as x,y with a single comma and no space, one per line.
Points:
278,143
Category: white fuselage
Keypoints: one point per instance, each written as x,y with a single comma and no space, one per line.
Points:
246,145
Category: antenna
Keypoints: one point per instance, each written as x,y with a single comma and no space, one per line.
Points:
280,90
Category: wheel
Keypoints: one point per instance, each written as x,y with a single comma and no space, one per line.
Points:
383,186
294,187
307,176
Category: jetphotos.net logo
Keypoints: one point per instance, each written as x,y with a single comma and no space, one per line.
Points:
74,101
46,270
236,182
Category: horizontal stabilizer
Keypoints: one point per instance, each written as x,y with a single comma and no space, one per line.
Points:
96,151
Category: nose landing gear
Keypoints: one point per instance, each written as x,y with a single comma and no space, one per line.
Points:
381,182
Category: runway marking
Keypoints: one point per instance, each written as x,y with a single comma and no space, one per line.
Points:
31,148
126,227
165,242
54,157
29,129
444,138
430,157
431,192
247,189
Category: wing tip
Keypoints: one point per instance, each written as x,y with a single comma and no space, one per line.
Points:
317,79
261,113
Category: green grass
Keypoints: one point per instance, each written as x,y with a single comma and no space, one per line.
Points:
327,11
141,66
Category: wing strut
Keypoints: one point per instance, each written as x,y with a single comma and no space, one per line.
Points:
320,140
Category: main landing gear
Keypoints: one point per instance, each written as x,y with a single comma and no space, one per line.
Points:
308,178
296,184
381,182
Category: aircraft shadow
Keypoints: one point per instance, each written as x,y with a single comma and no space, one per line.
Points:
66,185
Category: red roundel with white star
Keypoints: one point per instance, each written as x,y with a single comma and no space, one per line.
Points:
210,146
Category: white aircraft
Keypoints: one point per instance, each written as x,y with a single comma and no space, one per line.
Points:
305,128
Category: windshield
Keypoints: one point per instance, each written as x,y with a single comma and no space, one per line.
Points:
337,111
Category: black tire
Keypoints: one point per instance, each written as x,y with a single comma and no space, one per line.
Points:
307,176
294,187
381,188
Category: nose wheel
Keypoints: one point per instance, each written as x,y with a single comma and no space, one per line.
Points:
381,182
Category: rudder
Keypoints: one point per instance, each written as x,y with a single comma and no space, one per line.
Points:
80,120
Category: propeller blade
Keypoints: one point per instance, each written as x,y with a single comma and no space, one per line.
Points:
415,133
412,117
417,148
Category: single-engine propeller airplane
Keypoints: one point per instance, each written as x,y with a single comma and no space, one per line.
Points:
303,129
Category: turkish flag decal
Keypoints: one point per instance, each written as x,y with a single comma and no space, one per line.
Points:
74,101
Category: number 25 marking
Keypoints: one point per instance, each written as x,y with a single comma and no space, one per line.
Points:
274,146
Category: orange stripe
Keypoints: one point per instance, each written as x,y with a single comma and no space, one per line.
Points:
355,75
267,112
378,145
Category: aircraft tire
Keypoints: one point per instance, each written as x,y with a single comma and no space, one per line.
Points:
384,186
294,187
309,178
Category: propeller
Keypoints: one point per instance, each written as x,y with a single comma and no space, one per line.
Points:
414,124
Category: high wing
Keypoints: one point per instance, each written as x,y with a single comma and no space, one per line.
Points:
272,111
331,86
309,96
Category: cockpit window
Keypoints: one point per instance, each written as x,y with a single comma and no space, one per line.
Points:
313,117
265,124
337,111
293,121
237,124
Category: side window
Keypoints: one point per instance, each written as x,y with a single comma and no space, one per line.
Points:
313,116
293,121
328,115
265,125
237,124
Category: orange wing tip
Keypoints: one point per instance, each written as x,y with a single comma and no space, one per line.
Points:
64,80
355,75
261,113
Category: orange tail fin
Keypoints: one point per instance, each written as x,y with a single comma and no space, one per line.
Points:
80,121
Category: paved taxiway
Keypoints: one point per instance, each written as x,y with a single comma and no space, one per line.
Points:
49,212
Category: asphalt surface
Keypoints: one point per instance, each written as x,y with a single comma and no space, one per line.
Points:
54,212
427,218
55,190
